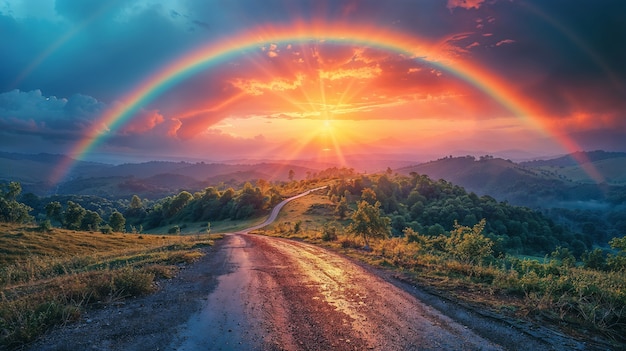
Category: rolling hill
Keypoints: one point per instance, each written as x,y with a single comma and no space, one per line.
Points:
149,179
546,183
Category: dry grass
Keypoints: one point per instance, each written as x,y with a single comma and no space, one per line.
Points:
49,278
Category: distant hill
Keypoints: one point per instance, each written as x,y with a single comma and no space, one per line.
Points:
580,167
148,179
523,184
575,159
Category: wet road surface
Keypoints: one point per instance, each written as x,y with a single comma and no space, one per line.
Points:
280,294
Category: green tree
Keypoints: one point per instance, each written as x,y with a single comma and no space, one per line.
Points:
73,216
54,211
564,255
10,209
368,195
117,222
91,221
13,190
178,203
135,203
617,261
594,259
341,210
469,244
367,222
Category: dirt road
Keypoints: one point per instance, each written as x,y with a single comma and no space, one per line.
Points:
260,293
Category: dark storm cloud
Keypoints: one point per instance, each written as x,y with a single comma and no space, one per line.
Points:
35,117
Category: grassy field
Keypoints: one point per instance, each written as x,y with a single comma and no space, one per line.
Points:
217,227
49,278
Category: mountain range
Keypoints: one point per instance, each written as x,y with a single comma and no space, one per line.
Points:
569,180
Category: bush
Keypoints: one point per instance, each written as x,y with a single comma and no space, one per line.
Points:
45,226
348,243
329,232
130,282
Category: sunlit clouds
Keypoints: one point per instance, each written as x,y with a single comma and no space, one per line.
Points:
295,79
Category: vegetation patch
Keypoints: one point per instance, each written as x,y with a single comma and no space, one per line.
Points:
45,285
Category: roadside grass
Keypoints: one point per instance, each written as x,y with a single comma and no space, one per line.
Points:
583,302
50,278
310,213
217,227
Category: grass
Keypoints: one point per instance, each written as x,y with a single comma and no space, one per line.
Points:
581,301
217,227
312,212
50,278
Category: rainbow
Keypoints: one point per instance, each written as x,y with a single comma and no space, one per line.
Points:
216,52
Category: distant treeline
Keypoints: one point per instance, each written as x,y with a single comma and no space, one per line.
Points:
426,206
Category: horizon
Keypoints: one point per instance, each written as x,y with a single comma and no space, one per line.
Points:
161,80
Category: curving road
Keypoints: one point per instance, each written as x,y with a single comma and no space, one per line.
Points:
259,293
277,208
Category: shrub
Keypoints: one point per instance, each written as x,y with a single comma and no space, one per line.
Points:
130,282
348,243
45,226
329,232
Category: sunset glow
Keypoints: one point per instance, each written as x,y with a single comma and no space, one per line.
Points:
308,86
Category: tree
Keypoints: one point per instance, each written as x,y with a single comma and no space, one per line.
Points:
54,211
10,209
291,174
617,261
564,255
117,222
91,221
594,259
469,244
178,202
341,210
368,195
73,216
135,203
367,222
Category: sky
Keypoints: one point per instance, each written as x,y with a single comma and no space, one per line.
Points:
120,80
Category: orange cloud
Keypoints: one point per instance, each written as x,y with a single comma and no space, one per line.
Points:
356,73
142,122
257,87
466,4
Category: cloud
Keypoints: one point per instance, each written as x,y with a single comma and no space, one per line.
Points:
257,87
63,119
505,41
142,122
465,4
355,73
32,112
